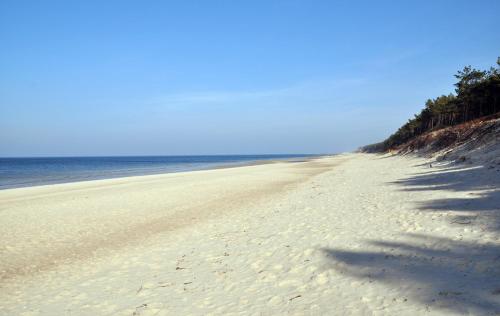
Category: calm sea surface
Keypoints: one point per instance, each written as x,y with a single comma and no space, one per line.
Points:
23,172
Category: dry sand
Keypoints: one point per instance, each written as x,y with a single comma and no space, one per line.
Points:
345,235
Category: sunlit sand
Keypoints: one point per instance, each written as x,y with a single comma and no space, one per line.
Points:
348,234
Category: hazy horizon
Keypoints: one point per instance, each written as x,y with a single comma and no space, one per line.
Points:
146,156
280,77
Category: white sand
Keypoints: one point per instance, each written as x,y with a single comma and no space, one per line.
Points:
352,234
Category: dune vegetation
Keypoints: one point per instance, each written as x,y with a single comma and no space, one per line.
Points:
477,94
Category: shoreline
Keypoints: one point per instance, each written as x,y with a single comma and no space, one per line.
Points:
215,166
51,202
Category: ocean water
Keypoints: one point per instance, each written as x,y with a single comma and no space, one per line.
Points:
23,172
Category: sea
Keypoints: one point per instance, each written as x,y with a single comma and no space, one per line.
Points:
25,172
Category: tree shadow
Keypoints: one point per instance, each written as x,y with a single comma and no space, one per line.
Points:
480,206
441,273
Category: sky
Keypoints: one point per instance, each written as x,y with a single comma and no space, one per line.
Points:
100,78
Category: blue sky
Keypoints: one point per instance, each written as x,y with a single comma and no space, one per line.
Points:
215,77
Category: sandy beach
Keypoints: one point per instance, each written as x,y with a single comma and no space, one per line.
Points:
342,235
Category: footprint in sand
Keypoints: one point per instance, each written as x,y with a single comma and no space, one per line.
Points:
274,301
290,283
278,267
322,278
308,252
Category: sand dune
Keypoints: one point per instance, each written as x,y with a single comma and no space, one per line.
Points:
350,234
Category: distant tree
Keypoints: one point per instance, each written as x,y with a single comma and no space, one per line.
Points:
477,95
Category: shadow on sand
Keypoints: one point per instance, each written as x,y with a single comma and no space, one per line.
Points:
441,273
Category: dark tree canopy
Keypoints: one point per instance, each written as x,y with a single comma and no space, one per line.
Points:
477,94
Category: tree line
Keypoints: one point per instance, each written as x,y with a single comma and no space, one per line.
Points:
477,94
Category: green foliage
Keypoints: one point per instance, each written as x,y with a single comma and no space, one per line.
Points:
477,95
